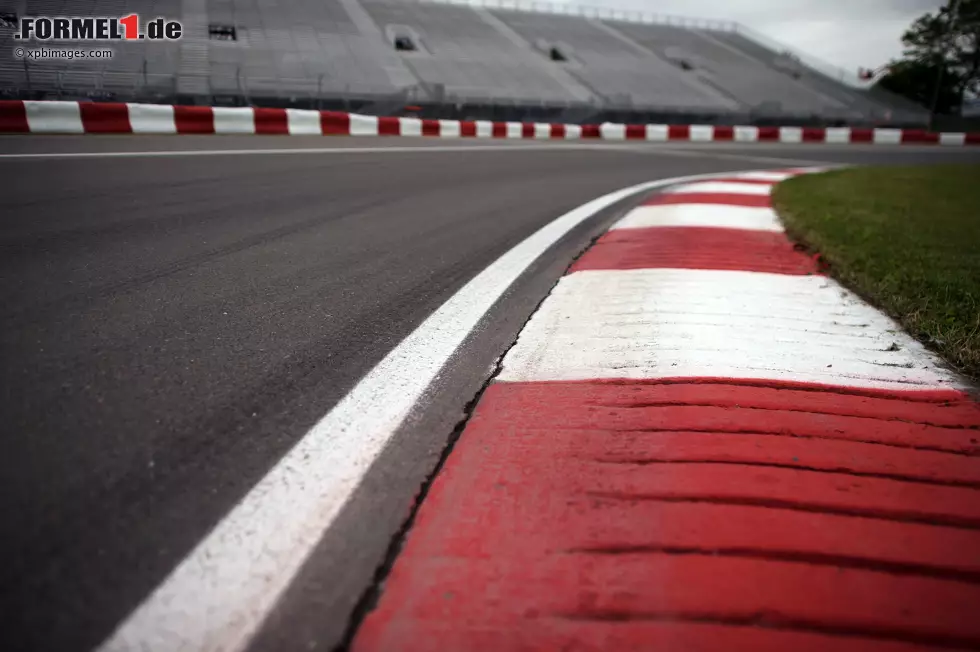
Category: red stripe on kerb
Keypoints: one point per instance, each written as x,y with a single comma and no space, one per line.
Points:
814,134
678,132
696,248
467,129
389,126
919,136
194,119
862,135
973,138
724,198
724,133
334,123
527,130
271,121
13,117
768,133
559,523
591,131
636,132
431,128
499,129
558,131
105,117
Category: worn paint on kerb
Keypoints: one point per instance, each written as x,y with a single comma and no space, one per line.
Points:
651,323
703,215
219,595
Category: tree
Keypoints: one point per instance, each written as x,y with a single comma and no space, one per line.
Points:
917,80
945,44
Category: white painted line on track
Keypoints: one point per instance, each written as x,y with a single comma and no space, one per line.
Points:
220,594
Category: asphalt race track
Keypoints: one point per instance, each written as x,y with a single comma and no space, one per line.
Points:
179,311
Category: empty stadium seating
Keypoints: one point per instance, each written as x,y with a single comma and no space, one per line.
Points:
447,57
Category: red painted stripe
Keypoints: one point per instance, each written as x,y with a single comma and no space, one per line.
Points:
814,134
467,128
527,130
13,117
430,128
558,131
696,248
335,123
591,131
271,121
919,136
389,126
551,536
725,198
636,132
702,408
724,133
973,138
862,135
769,133
678,132
105,118
499,129
605,635
194,119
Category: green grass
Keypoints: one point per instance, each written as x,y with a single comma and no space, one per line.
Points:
905,238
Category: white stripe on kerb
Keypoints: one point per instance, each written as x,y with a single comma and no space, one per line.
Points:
542,130
703,215
234,120
573,132
152,118
701,133
658,133
887,136
655,323
952,139
219,595
790,134
54,117
746,134
763,176
409,126
611,131
837,135
723,187
484,129
515,130
363,125
450,128
302,122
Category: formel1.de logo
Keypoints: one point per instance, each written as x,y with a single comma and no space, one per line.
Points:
102,28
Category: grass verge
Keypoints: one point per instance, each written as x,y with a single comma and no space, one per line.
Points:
905,238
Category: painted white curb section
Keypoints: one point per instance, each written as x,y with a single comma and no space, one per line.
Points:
726,187
702,215
656,323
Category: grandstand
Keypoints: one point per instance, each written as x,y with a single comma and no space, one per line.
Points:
494,61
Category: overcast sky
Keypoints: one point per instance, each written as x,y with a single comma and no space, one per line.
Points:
846,33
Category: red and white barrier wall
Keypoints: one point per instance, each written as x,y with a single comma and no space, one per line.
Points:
700,442
95,118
